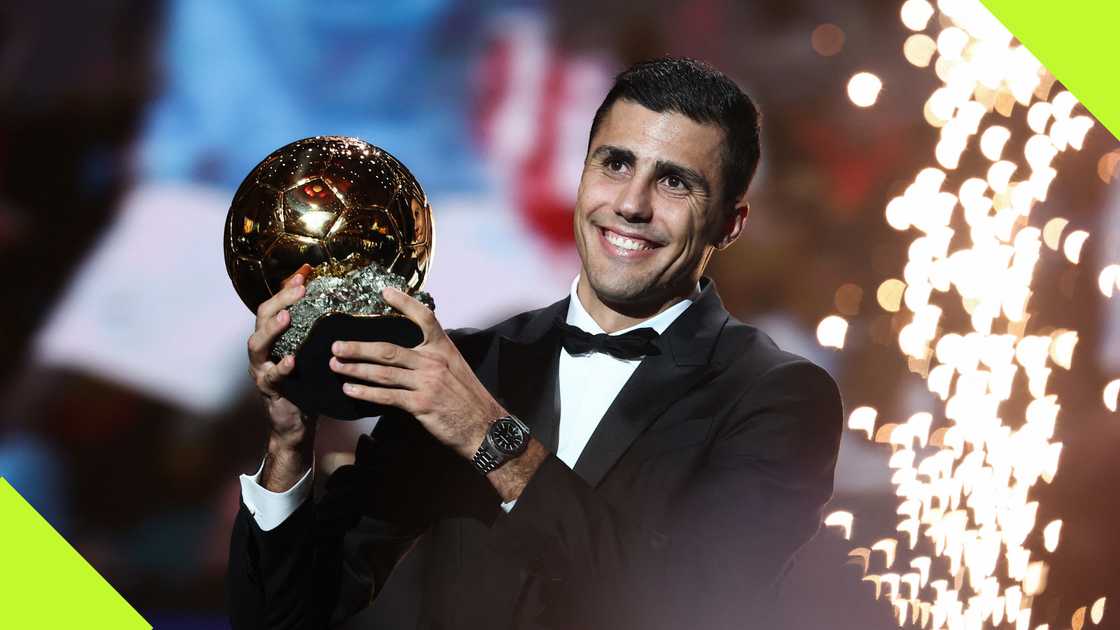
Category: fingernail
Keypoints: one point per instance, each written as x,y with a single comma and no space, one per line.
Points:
336,347
280,316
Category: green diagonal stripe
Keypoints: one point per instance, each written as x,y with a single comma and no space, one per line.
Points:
1076,41
44,583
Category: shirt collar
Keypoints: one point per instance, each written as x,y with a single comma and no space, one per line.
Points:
580,318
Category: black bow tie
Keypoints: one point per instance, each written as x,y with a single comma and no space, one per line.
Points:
629,345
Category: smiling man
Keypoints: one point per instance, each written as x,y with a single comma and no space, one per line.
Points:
629,457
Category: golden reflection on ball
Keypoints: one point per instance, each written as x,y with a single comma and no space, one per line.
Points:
327,199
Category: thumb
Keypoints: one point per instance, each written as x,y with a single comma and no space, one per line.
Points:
298,277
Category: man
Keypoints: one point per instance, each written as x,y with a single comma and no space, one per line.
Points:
628,457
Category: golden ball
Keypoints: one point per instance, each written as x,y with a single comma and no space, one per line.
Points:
332,202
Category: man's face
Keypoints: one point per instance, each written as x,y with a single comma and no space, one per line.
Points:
649,211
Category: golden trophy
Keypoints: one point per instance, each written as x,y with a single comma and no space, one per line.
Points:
360,219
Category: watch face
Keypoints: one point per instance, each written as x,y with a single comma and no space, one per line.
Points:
507,437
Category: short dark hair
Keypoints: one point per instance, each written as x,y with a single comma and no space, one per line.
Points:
703,94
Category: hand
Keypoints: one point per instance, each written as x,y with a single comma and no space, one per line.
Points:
288,423
431,381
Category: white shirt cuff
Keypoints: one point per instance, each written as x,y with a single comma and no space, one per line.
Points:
268,508
508,505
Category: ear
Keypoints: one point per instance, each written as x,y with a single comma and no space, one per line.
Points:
733,224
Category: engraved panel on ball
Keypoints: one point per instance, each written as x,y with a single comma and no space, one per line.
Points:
414,224
414,206
414,216
287,254
371,234
421,216
422,250
310,208
413,262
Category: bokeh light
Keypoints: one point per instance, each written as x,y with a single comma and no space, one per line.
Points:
864,88
831,331
964,484
827,40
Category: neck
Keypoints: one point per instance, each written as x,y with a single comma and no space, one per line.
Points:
612,317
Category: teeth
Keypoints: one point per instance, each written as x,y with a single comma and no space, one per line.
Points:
625,243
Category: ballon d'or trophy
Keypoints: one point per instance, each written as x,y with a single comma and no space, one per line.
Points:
359,218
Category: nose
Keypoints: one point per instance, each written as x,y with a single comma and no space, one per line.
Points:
634,203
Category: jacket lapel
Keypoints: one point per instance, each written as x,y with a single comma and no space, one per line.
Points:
528,372
659,380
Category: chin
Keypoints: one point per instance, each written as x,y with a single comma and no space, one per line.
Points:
619,295
617,288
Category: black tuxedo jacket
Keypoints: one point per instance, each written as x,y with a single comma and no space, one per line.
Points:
704,477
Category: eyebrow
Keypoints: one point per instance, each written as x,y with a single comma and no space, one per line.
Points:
605,151
662,167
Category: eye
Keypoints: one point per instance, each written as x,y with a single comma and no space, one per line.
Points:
615,165
675,183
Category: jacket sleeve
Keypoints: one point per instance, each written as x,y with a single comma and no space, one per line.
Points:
328,560
729,533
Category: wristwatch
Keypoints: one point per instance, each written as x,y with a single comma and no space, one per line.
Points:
506,438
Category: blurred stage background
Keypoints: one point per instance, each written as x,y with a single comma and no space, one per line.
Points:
126,413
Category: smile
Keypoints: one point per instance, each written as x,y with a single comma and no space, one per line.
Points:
625,245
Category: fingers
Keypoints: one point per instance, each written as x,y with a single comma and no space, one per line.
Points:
298,277
271,374
393,397
260,342
384,375
282,300
293,289
272,319
379,352
415,310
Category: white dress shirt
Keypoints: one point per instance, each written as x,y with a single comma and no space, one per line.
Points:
588,385
270,508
